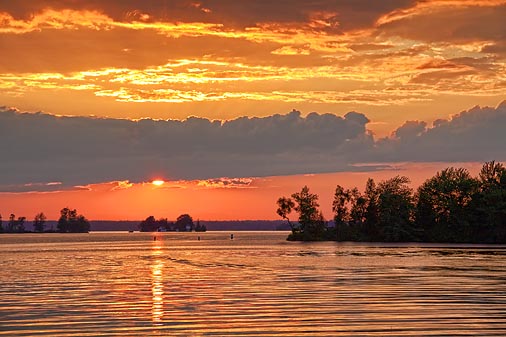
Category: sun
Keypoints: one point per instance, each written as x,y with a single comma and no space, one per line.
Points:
158,182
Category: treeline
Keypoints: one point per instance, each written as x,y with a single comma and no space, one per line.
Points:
69,222
451,206
184,223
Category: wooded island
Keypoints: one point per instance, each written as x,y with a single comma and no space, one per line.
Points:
451,206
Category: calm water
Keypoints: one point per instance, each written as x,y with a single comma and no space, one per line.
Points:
255,285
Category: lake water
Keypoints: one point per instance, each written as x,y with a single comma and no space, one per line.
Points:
258,284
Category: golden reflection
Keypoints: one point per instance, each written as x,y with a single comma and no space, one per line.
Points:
157,281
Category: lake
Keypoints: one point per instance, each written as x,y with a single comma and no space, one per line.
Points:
258,284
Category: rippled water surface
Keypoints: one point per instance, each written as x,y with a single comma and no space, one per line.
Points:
127,284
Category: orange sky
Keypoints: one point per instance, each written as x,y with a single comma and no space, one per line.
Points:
256,200
401,64
394,60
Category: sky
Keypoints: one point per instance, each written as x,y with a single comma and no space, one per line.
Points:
235,103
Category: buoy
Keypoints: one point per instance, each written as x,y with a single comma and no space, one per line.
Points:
231,236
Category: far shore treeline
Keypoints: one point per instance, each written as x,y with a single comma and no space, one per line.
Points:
72,222
451,206
69,222
184,223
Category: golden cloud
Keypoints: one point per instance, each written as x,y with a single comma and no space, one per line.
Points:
311,61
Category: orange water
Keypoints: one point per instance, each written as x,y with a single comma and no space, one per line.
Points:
258,284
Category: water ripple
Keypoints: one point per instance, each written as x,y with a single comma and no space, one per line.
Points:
255,285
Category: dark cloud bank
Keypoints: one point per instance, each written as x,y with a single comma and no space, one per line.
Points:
38,148
351,14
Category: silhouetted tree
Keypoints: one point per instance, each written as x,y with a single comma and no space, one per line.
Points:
1,224
39,221
163,224
442,208
371,222
451,206
12,223
71,222
311,221
348,208
489,204
381,213
66,216
285,206
184,223
16,225
306,205
395,210
342,206
358,208
149,224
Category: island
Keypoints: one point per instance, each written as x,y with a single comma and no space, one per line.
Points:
450,207
183,223
69,222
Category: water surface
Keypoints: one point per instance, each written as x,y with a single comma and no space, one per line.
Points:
127,284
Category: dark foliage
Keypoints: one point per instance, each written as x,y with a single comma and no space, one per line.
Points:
451,206
443,206
488,205
71,222
150,224
38,222
184,223
14,225
311,226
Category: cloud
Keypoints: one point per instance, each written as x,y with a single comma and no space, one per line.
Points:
78,151
457,21
226,183
39,149
350,15
495,48
475,135
410,130
169,52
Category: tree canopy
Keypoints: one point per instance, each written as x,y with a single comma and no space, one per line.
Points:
443,205
311,224
15,225
184,222
150,224
39,222
451,206
71,222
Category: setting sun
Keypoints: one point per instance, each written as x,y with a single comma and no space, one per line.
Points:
158,182
218,167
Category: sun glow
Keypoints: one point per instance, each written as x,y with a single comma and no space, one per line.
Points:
158,182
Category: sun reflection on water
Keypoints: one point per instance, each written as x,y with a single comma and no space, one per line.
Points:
157,281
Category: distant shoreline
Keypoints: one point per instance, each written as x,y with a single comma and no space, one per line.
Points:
212,225
238,237
372,244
